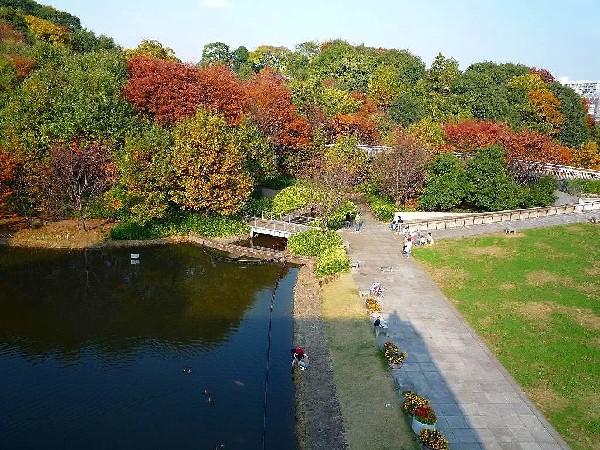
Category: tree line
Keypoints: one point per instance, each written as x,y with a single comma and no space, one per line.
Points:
88,128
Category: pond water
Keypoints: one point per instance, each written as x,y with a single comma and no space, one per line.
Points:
101,351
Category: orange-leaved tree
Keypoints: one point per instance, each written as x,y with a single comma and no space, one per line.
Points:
222,92
166,89
209,164
523,145
272,109
359,125
587,156
7,174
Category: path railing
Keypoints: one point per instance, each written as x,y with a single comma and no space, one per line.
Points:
288,225
498,216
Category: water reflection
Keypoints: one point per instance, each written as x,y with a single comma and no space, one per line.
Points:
176,294
92,350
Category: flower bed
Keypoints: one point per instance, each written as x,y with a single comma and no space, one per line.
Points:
413,401
433,439
392,354
372,305
425,414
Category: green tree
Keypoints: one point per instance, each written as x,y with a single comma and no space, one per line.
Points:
215,53
76,96
574,130
489,185
152,49
209,166
240,63
446,186
349,67
146,175
406,109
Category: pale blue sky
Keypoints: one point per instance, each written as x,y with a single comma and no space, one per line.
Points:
562,36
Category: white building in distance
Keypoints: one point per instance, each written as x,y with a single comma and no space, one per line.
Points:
589,90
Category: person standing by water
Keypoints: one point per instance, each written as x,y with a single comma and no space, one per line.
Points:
357,222
348,220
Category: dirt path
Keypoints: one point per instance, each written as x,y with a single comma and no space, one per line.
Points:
320,424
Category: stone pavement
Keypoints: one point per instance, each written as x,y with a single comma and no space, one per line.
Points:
478,403
499,227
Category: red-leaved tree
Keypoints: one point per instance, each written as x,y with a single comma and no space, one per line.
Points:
166,89
272,109
7,174
523,145
222,92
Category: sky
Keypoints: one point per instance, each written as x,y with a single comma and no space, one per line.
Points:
562,36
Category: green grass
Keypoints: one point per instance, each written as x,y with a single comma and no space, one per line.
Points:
534,297
362,378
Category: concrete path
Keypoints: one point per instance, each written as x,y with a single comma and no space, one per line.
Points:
479,405
499,227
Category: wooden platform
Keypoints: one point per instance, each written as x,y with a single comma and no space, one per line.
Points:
277,228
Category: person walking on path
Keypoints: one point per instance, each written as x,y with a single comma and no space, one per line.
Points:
408,246
358,222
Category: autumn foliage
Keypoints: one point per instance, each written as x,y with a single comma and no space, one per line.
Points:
7,173
166,89
222,92
359,125
522,145
273,111
8,33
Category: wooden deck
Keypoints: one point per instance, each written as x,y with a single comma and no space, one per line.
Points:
279,228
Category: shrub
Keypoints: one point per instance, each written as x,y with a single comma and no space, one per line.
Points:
583,186
490,187
338,218
446,187
383,207
291,199
180,224
257,206
540,192
314,242
332,261
327,247
279,182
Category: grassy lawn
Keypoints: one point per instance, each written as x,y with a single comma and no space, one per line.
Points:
371,407
534,297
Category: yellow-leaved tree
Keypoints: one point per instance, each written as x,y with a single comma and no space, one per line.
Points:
210,166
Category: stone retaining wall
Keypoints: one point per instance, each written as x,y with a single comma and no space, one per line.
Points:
499,216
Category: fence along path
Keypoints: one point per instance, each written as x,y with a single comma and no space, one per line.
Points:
284,227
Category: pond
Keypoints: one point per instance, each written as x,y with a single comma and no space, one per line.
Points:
99,350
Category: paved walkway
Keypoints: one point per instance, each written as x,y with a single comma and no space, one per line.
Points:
479,405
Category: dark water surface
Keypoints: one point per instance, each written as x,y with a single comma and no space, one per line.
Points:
93,350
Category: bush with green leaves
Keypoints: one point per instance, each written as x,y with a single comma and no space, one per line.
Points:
332,261
338,218
446,187
383,207
180,224
279,182
313,242
489,185
540,192
583,187
291,199
258,206
327,247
